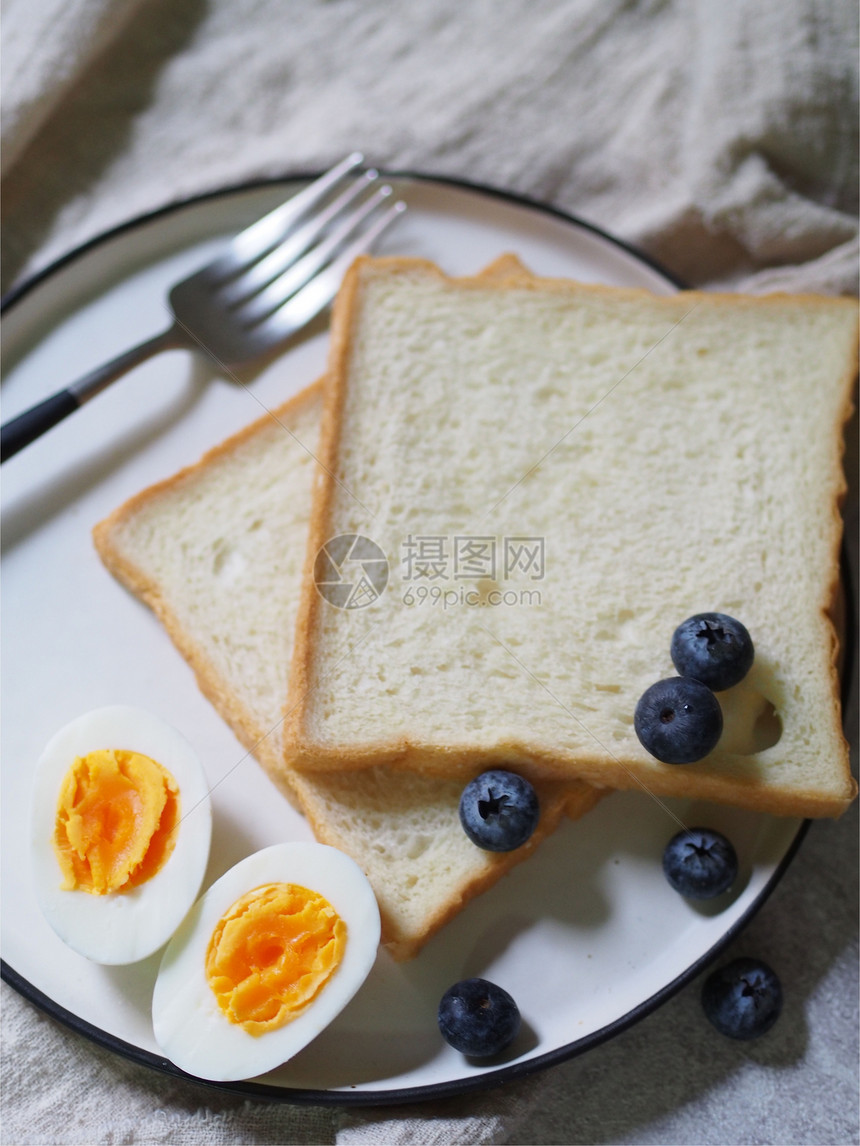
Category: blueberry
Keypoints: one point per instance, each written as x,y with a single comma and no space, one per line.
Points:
478,1018
499,810
743,999
713,648
700,863
678,720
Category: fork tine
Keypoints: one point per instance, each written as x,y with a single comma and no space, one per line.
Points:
286,253
202,321
298,274
265,233
306,303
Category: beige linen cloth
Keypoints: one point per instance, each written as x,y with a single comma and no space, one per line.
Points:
720,136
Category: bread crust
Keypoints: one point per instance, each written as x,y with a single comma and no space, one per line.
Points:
569,800
312,795
732,786
255,739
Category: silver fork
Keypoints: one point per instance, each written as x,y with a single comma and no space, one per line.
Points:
274,277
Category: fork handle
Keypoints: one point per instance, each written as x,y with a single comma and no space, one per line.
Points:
25,428
20,431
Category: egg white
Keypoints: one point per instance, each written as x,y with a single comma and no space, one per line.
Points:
189,1025
122,927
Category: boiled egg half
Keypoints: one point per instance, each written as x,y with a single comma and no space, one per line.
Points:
121,827
264,961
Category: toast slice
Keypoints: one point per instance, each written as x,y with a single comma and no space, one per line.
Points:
217,552
558,475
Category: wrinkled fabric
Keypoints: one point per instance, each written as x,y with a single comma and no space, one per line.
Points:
720,137
47,48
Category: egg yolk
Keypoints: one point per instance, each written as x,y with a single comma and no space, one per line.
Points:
272,953
116,817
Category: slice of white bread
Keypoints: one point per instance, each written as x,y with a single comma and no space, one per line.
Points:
663,456
217,552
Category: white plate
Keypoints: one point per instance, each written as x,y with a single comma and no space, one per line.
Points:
587,935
